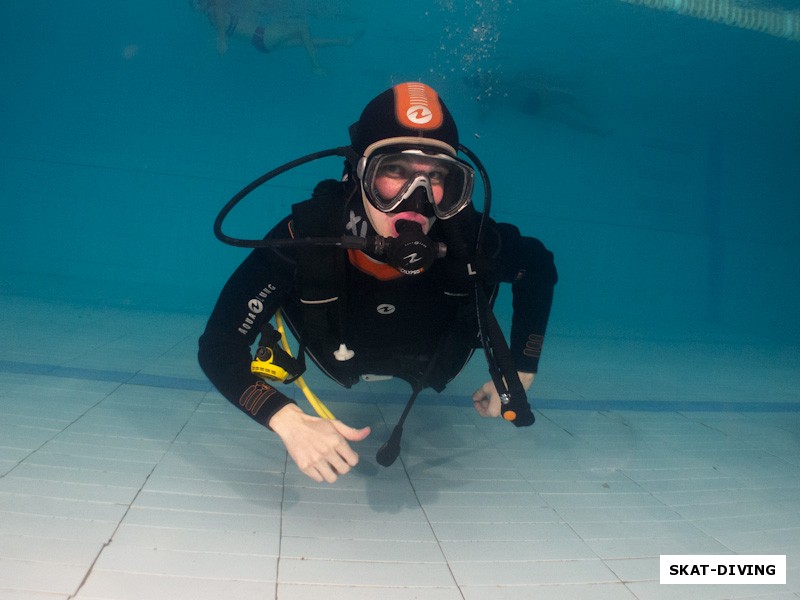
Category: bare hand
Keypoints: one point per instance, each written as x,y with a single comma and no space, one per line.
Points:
318,446
487,401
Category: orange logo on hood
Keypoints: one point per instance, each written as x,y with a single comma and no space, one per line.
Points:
417,106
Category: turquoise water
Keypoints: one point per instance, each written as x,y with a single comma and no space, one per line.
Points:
659,160
665,176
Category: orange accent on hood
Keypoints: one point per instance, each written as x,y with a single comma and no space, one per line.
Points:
417,106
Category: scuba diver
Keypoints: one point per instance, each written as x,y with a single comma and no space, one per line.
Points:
388,271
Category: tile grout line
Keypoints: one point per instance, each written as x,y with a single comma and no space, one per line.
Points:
749,443
62,430
424,512
433,530
110,539
280,528
561,516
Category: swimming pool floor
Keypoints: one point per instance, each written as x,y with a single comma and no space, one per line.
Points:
124,476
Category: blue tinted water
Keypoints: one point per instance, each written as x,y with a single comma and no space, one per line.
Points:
666,179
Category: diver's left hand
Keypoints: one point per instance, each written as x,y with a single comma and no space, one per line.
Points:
487,401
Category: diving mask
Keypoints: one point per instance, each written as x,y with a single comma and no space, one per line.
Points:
390,175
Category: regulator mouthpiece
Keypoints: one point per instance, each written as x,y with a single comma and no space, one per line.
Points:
412,252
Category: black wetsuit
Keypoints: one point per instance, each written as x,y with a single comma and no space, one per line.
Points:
388,323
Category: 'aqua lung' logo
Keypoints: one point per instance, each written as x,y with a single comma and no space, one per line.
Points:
385,309
412,258
419,114
254,307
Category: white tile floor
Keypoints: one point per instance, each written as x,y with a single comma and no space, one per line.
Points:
124,477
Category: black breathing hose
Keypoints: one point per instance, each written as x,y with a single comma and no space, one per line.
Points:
487,196
253,185
515,406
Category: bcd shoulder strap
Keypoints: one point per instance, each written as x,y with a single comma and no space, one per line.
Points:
318,273
321,275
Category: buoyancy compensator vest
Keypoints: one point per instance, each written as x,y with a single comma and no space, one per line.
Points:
319,317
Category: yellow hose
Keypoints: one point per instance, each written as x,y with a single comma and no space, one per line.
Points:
315,402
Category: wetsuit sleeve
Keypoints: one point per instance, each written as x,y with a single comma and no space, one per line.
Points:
251,296
530,268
